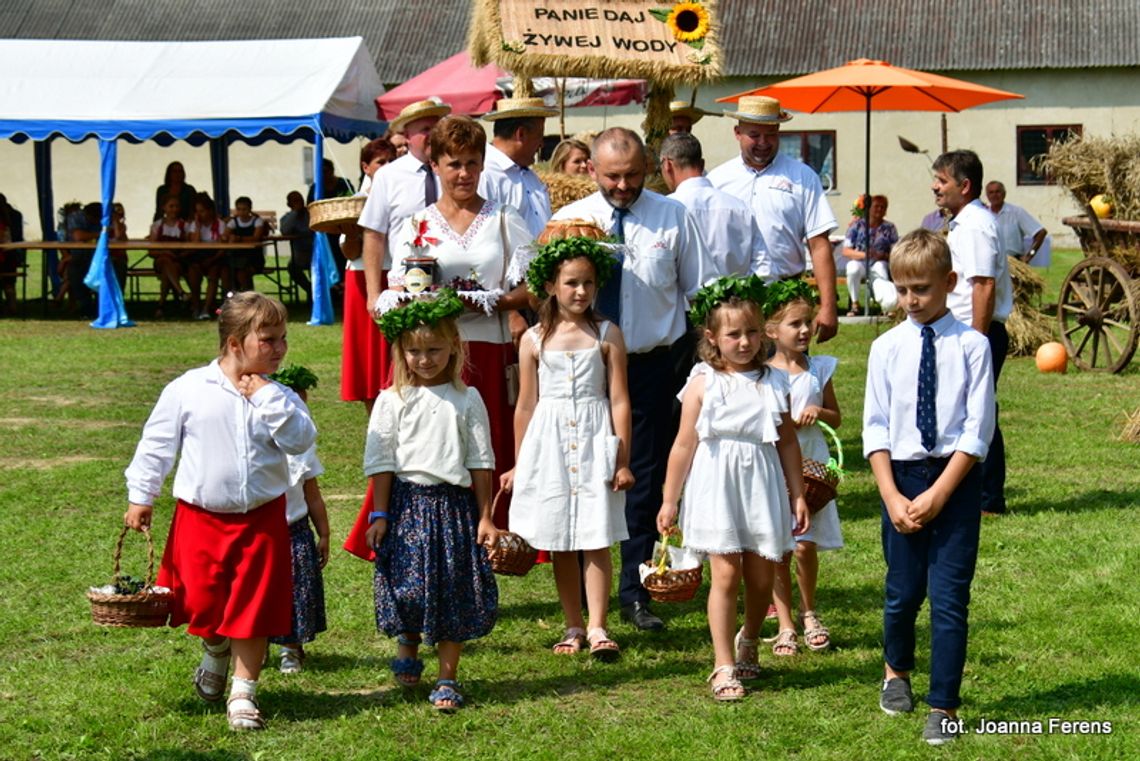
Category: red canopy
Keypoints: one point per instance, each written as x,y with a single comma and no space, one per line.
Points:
474,91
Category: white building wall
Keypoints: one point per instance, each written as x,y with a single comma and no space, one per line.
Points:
1104,101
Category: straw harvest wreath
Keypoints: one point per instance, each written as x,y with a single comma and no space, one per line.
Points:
544,266
425,309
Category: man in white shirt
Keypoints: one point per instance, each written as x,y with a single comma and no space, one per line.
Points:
662,262
787,200
983,296
1014,225
399,190
728,230
518,127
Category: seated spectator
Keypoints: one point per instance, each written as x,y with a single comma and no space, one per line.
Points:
79,261
245,227
295,225
174,184
167,264
11,231
874,249
206,228
571,156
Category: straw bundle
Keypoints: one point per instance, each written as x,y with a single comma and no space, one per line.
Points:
1028,328
1089,166
565,189
1131,432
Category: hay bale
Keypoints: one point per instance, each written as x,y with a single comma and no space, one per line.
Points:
1027,283
1028,328
1088,166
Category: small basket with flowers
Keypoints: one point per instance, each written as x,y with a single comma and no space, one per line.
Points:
130,602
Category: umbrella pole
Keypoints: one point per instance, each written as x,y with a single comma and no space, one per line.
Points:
867,207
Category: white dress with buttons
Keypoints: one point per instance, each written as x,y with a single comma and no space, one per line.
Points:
563,497
735,498
807,388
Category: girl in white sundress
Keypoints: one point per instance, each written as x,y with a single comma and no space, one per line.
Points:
812,399
734,452
573,424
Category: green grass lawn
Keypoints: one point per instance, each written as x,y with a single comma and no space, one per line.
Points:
1053,617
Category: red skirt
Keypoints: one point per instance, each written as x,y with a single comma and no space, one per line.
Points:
486,373
231,573
365,365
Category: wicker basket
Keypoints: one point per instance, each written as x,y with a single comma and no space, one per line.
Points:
511,555
668,584
327,216
145,609
821,480
819,485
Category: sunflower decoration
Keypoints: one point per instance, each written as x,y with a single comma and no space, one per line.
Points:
688,21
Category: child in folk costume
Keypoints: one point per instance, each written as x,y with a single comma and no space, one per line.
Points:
227,555
573,425
429,458
734,452
304,503
790,307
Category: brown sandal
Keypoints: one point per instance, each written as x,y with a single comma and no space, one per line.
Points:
244,718
572,643
210,685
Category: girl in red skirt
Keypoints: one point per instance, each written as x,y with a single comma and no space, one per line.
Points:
227,557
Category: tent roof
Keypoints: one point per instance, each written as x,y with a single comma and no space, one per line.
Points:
245,89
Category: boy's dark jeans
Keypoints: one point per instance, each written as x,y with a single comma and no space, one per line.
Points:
937,561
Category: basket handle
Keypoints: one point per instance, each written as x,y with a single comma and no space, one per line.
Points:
149,554
494,504
662,562
834,440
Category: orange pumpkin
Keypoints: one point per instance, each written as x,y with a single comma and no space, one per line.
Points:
557,229
1052,358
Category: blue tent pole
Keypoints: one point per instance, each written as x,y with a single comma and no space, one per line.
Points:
323,267
220,169
101,275
41,151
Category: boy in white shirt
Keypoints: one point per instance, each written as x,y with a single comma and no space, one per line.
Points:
927,423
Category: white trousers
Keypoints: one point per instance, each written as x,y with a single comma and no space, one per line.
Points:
882,289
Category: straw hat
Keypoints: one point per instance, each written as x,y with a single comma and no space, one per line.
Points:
681,108
520,108
759,109
421,109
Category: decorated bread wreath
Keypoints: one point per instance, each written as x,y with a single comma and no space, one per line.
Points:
401,314
749,288
783,291
544,265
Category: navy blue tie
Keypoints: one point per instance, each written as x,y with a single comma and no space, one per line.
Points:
927,415
430,194
609,297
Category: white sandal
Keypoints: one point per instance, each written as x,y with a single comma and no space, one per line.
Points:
728,690
815,632
747,668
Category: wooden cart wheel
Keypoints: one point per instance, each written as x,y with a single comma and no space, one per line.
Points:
1099,314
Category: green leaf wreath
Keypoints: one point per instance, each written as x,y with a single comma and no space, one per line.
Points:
750,288
443,304
544,265
296,377
783,291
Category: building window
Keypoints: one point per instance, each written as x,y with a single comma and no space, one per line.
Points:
1035,141
816,149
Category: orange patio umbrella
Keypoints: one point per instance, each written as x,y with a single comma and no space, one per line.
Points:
866,85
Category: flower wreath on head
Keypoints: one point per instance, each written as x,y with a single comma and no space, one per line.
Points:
783,291
398,314
746,288
543,266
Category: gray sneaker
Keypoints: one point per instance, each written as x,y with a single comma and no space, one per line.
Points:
895,697
940,729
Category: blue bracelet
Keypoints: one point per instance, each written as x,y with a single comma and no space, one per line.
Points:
373,517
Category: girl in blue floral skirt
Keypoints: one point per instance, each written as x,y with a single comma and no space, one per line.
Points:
428,455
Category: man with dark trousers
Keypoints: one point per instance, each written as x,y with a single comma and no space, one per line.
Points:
662,261
983,296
